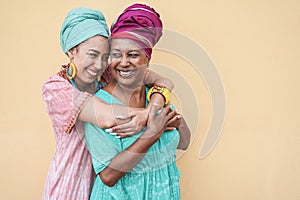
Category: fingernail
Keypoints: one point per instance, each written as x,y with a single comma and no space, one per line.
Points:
113,133
178,116
159,111
108,130
155,104
120,116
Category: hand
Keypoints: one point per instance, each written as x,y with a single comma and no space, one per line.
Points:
174,122
135,125
157,120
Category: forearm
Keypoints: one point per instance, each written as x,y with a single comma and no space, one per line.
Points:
157,99
104,115
185,135
127,160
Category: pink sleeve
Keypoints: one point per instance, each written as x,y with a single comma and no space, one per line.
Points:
64,103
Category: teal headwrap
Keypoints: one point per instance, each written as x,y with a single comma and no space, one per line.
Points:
80,25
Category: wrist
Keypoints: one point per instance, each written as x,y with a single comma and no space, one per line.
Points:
151,134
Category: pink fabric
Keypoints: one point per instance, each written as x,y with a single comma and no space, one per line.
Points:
70,175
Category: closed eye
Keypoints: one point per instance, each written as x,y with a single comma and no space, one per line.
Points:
116,55
133,55
93,55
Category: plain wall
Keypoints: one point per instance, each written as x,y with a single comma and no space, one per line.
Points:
255,46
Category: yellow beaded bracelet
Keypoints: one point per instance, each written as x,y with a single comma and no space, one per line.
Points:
165,92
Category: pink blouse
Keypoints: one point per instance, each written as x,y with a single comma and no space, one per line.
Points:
70,175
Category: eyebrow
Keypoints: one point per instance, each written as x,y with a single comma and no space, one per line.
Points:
94,51
138,50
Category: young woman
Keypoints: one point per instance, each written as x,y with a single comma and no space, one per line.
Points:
70,100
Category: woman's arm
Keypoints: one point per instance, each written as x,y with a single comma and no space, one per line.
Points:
126,160
103,115
185,135
139,117
180,124
152,78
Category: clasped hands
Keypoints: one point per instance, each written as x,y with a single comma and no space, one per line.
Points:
153,117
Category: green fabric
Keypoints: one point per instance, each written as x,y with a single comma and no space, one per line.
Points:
80,25
155,177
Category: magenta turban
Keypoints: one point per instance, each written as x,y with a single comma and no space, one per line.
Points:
139,23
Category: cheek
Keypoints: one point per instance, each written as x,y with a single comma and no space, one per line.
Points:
112,70
141,72
79,61
114,61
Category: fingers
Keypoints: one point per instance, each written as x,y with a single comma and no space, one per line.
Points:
173,118
128,115
124,135
127,130
153,110
171,115
125,116
170,128
165,111
132,113
127,125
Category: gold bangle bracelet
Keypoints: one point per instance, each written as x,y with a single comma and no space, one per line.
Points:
165,92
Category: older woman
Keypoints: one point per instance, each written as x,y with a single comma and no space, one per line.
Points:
142,166
70,102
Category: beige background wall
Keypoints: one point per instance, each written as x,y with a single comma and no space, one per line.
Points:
255,46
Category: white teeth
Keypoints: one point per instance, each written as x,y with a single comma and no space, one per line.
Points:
91,72
127,73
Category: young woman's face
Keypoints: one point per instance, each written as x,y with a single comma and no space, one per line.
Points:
128,62
90,59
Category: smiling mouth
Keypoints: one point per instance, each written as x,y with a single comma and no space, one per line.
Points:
93,73
126,73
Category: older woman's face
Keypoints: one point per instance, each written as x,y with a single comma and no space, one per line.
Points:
90,59
128,62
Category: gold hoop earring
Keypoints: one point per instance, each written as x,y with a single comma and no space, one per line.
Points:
99,78
73,68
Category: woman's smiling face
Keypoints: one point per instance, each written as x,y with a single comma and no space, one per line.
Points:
128,63
90,59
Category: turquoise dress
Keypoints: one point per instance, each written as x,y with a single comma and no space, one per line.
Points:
155,177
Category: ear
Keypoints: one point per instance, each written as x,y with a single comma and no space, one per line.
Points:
71,53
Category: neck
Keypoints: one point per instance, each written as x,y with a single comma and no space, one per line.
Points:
85,87
133,97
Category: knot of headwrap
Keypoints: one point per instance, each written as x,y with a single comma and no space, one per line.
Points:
141,24
80,25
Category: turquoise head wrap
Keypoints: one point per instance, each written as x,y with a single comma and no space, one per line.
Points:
80,25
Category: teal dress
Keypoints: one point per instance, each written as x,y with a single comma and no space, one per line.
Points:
155,177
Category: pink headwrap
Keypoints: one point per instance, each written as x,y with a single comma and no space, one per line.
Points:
139,23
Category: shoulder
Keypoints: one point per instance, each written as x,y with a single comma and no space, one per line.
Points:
56,81
57,87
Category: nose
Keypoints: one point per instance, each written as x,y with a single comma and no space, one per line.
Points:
124,61
98,64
